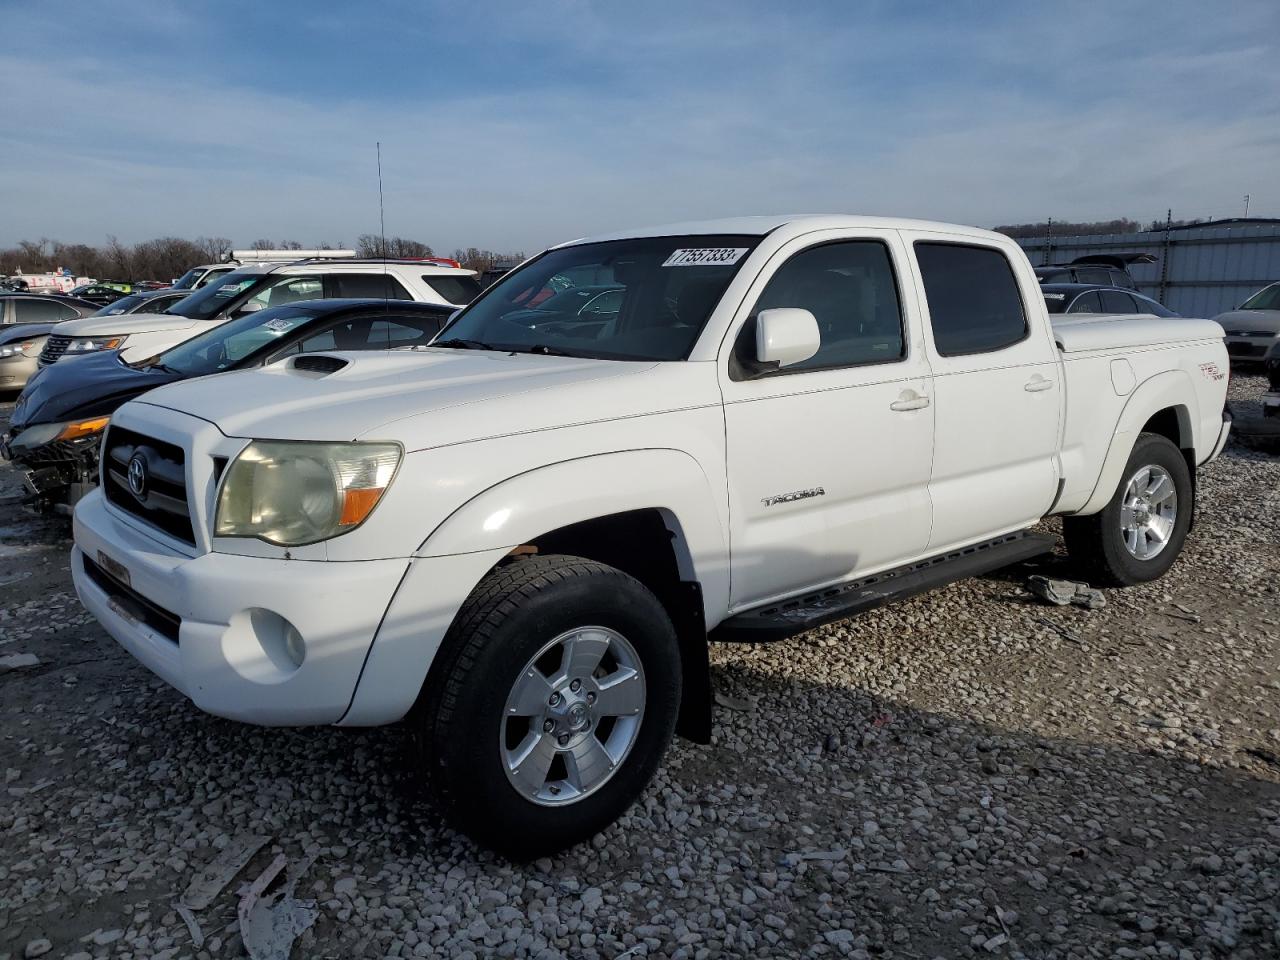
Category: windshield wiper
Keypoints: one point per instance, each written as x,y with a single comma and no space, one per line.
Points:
461,343
546,351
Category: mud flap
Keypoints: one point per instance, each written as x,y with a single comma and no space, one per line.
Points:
694,722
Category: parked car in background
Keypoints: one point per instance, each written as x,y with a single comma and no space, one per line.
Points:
1091,298
205,273
146,301
197,277
20,345
43,308
16,284
1252,328
257,287
25,323
519,537
57,422
102,292
1099,269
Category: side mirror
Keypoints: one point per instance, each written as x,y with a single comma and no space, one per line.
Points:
786,335
249,306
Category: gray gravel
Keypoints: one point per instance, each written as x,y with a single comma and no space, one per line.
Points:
971,773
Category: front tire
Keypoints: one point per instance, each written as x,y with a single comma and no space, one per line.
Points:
1141,531
551,702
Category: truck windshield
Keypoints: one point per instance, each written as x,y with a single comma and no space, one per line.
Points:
643,299
209,300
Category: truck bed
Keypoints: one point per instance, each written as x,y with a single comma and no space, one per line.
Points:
1081,333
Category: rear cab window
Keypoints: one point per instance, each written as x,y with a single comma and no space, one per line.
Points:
460,290
974,302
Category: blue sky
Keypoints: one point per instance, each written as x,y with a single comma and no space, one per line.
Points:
515,125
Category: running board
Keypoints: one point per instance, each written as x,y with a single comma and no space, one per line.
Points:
777,621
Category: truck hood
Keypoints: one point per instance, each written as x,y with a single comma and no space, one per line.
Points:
1238,322
422,399
124,323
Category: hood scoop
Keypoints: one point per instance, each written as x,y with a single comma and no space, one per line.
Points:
317,364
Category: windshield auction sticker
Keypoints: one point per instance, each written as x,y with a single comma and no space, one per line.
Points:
705,257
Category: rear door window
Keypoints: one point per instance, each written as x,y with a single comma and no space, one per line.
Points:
371,286
1086,303
1116,301
459,290
41,311
974,303
1098,275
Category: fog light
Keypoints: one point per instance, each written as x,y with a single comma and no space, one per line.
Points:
294,648
263,646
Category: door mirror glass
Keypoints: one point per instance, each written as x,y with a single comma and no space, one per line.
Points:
786,335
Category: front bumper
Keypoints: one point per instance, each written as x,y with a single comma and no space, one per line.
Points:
57,472
1248,349
227,643
16,371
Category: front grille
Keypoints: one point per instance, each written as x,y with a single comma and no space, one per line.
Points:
162,621
53,350
163,500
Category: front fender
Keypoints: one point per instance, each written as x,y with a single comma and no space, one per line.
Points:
457,554
1172,388
525,506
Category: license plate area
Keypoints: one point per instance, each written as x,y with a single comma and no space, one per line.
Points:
116,569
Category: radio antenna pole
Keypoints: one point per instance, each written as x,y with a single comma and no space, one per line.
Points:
382,232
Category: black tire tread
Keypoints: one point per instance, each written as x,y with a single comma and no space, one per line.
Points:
1086,538
498,596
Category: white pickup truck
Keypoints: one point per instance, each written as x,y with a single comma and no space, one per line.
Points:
521,537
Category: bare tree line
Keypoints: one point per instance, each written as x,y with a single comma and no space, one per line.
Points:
1065,228
167,257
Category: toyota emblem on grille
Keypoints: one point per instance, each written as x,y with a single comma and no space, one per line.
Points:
138,475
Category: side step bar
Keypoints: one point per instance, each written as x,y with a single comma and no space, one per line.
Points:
798,614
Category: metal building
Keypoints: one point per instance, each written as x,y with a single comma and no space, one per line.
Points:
1200,270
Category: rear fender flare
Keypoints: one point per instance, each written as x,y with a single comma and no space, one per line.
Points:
1172,388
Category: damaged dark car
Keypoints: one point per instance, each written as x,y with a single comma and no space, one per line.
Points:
58,421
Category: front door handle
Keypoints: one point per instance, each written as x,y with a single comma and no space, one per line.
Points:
1036,384
909,400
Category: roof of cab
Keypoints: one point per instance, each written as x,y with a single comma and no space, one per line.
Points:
761,225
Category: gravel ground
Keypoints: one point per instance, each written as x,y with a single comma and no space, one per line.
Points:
969,773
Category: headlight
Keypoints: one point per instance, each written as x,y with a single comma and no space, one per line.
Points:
94,344
43,433
293,493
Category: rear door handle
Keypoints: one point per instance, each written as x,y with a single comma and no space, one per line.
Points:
1036,384
910,400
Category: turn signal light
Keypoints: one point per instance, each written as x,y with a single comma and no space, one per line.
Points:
78,429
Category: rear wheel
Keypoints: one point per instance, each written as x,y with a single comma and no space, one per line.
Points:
1140,532
552,700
